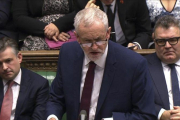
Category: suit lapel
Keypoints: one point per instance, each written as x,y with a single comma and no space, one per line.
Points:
122,12
98,2
25,83
159,79
107,77
78,62
1,92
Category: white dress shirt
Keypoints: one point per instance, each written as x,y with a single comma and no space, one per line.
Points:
99,71
120,38
167,74
15,90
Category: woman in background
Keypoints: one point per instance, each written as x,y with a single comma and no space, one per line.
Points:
37,19
158,8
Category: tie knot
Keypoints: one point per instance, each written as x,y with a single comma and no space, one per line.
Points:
92,65
108,6
10,83
172,65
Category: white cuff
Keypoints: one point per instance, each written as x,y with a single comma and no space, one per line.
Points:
52,116
139,46
108,118
160,113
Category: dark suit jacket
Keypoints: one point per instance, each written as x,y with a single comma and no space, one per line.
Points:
126,92
33,95
134,20
160,87
25,13
7,27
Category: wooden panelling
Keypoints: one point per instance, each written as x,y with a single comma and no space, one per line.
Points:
46,60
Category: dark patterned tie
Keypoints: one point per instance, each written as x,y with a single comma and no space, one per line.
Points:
6,107
175,85
111,22
87,90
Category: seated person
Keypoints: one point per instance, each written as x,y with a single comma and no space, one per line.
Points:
6,25
23,94
37,19
164,66
158,8
131,20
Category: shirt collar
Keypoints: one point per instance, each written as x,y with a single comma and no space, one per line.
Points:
101,61
17,79
177,63
112,7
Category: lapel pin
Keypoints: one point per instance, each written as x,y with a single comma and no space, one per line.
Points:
121,1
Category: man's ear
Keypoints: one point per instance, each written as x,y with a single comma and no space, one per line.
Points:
153,35
75,33
108,33
19,56
77,36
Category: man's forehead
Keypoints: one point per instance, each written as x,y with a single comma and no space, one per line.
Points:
161,28
93,35
167,31
7,53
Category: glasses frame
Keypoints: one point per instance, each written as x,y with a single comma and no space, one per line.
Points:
94,42
165,40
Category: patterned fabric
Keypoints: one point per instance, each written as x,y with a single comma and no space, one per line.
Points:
52,10
157,10
34,43
55,7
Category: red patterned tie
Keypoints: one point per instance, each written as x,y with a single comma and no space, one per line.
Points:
6,107
87,90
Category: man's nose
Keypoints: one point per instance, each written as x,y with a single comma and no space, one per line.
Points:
4,65
94,46
167,45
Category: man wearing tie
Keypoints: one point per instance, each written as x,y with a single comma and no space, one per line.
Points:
23,94
129,20
164,66
98,78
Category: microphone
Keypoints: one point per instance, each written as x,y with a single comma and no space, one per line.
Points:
83,115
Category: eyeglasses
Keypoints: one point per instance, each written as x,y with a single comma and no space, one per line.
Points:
171,41
101,42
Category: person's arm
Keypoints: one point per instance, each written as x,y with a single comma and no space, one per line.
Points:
63,24
4,12
40,102
143,25
24,16
165,115
56,103
143,107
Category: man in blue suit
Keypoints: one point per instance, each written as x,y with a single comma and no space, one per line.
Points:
167,45
29,90
122,88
